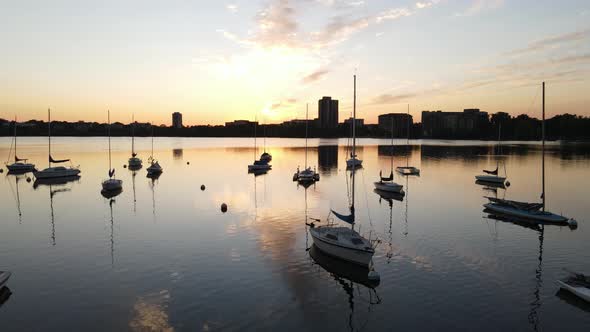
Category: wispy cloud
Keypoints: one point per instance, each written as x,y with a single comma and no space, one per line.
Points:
479,6
315,76
389,98
552,41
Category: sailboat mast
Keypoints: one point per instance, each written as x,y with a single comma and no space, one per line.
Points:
255,125
109,132
152,142
306,115
49,133
132,134
408,139
543,150
391,148
354,122
15,123
353,147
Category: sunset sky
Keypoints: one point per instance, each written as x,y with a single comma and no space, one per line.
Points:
217,61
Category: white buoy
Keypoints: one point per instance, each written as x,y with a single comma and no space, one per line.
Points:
28,179
124,166
224,208
202,187
572,223
507,183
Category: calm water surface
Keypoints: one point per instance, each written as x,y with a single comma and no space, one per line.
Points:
162,256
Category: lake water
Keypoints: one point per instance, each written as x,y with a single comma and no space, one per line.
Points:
162,256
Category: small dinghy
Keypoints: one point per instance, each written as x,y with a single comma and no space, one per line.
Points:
4,276
578,284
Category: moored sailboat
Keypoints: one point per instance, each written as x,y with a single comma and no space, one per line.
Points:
353,162
134,162
20,165
408,170
154,168
258,165
307,175
52,172
492,176
387,183
112,184
534,212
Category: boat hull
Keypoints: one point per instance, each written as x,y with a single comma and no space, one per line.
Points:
112,185
354,163
359,257
581,292
540,216
21,167
56,172
491,179
259,167
391,187
408,170
134,162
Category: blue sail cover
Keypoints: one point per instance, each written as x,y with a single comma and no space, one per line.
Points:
349,219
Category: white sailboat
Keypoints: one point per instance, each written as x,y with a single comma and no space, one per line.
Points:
134,162
387,184
343,242
408,170
492,176
154,168
258,165
353,162
534,212
307,175
111,184
57,171
20,165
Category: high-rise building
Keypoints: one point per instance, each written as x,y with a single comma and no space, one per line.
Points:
471,123
400,123
328,112
177,120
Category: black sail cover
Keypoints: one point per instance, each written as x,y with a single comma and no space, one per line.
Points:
51,160
494,172
17,159
390,178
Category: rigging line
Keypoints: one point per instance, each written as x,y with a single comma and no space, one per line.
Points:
367,201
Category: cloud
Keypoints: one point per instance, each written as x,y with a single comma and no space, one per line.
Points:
552,41
278,26
315,76
479,6
389,98
232,8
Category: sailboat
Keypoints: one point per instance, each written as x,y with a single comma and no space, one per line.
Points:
534,212
58,171
154,168
387,184
258,165
20,165
408,170
112,184
343,242
265,156
307,175
492,176
353,162
134,162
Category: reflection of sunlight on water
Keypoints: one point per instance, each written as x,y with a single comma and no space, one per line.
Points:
150,313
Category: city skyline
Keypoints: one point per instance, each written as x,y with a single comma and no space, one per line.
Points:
234,60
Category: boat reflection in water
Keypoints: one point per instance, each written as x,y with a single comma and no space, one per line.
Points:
389,197
539,228
51,183
349,275
111,193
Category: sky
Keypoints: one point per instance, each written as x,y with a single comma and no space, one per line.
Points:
216,61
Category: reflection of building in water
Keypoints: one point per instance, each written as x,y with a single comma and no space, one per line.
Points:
177,153
327,158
